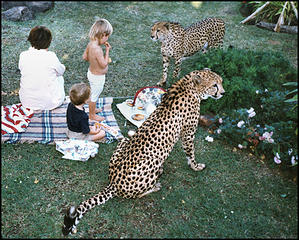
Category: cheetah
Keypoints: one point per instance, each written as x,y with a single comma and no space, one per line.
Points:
137,162
179,43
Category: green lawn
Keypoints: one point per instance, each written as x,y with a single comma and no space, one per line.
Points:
236,196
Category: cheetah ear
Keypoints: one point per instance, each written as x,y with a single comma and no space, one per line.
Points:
196,79
166,25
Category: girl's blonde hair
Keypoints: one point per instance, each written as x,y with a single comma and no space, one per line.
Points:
100,28
79,93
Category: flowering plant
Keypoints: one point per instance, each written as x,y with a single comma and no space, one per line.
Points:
241,129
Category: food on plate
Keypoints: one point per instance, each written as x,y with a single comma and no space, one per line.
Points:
129,102
107,128
138,117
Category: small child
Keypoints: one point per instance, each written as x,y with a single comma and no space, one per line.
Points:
98,62
77,118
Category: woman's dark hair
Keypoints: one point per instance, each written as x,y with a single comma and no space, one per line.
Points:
40,37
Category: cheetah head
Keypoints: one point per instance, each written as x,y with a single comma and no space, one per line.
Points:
159,31
208,83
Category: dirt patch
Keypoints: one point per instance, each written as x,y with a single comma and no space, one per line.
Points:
272,42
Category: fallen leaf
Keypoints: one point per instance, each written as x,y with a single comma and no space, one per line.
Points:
36,181
15,92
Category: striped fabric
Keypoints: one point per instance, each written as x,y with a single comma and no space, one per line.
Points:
15,118
50,125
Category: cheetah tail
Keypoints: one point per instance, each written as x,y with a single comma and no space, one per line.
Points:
73,214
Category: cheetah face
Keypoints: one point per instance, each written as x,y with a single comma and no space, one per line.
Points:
208,83
159,31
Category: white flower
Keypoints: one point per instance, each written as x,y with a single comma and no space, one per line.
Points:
257,91
209,139
251,115
240,124
290,151
270,140
267,136
220,120
293,161
218,130
266,90
240,146
258,125
250,110
277,159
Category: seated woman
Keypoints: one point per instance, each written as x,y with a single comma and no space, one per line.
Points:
42,83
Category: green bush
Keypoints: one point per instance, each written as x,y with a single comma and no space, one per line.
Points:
255,82
244,72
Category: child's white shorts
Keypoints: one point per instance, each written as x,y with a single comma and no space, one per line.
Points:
96,85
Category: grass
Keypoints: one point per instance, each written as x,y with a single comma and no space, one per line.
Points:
236,196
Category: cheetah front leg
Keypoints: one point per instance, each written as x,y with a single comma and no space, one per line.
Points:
165,70
178,62
187,138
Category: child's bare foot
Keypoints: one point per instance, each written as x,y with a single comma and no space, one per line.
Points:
96,118
98,110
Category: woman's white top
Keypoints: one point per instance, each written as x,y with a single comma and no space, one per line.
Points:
41,86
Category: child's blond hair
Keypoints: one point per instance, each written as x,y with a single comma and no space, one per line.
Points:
79,93
100,28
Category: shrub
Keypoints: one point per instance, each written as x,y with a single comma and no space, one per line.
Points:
244,72
254,112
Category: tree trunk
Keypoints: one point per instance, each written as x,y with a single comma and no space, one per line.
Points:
283,28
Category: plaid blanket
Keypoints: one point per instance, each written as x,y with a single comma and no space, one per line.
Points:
50,125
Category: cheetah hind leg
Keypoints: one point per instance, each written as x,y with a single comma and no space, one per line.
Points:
195,166
156,188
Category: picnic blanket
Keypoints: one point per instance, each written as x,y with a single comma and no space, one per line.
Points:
48,126
15,118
